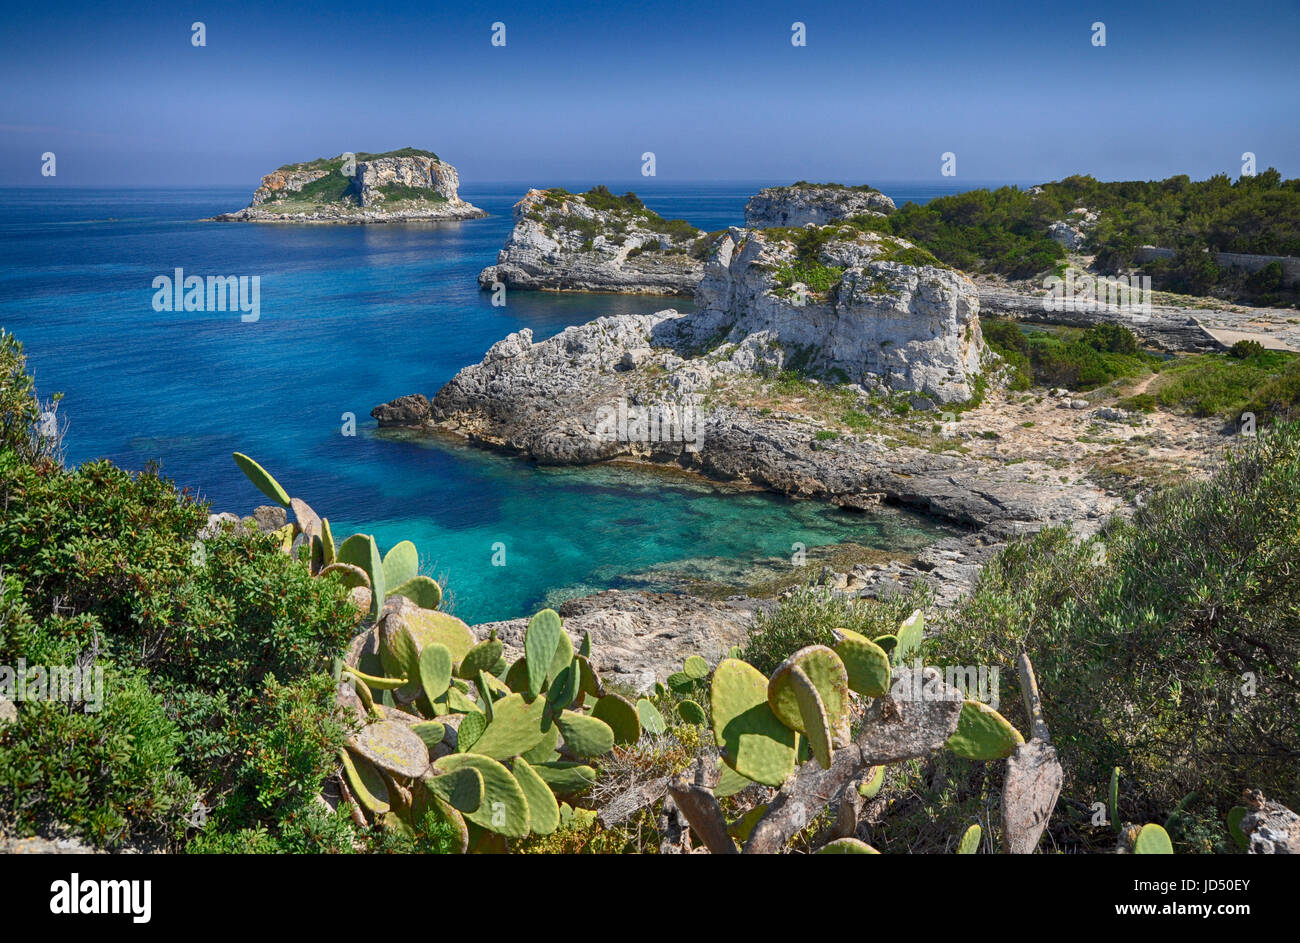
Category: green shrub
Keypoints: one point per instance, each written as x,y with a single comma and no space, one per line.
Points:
1226,385
810,613
216,657
1145,655
1244,350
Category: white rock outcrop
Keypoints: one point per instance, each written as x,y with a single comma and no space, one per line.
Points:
885,322
818,203
562,242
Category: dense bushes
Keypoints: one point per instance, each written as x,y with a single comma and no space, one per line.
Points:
1172,650
1005,231
1265,382
216,657
1002,231
810,614
1091,359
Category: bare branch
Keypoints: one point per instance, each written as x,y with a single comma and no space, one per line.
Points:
697,802
916,718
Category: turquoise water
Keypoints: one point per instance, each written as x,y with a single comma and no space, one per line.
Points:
352,316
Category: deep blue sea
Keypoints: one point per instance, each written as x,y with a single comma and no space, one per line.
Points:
352,316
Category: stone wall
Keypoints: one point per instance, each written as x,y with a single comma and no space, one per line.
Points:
1251,263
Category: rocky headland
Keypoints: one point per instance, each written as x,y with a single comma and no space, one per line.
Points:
408,185
596,241
819,203
871,326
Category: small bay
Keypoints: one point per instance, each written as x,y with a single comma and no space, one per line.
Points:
352,316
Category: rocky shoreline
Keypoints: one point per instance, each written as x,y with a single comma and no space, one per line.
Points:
874,328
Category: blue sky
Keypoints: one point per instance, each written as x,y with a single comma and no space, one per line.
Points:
718,92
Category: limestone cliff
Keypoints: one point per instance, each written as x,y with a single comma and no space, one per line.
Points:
818,203
865,312
405,185
596,241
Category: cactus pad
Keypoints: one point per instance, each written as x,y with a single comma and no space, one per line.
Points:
471,728
430,731
367,783
515,728
651,720
260,477
482,657
847,846
462,789
541,640
866,663
1153,840
543,810
583,735
696,668
828,675
692,713
983,734
869,788
421,590
812,714
758,746
565,778
911,632
621,715
401,563
393,746
435,670
504,808
970,841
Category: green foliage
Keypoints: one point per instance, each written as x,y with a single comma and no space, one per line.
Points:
819,278
218,658
1002,231
20,411
811,615
1094,358
1265,382
1005,231
1143,657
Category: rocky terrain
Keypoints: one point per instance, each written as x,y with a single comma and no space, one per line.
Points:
817,203
596,241
691,389
400,186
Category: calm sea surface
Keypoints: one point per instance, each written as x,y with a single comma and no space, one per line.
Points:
352,316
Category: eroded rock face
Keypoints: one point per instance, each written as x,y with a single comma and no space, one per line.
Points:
561,242
909,327
638,386
395,187
805,203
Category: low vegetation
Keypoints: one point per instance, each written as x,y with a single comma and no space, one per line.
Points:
1005,231
1080,360
1165,647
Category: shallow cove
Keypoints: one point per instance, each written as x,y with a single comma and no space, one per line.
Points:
352,316
569,531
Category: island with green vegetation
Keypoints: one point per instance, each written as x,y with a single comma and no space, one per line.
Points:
406,185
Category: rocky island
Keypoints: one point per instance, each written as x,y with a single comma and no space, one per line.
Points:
819,203
596,241
407,185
